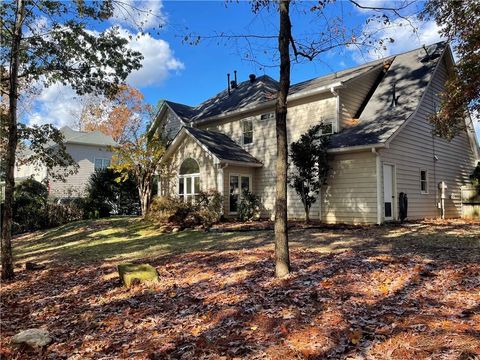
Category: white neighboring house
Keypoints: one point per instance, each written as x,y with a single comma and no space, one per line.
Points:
90,150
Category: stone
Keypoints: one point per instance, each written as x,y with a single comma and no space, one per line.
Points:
175,230
137,273
35,338
33,266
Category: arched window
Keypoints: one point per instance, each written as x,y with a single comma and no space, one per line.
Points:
189,180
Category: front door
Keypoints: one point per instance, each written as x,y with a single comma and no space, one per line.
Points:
388,194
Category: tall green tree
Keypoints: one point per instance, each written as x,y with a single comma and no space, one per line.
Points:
459,22
64,52
308,156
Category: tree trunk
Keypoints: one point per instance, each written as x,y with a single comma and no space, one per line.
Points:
307,214
282,259
145,194
6,242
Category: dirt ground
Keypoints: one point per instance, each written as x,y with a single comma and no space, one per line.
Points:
372,292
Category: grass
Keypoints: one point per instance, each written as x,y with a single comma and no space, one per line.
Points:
122,238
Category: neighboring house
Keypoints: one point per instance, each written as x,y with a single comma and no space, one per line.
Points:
90,150
381,143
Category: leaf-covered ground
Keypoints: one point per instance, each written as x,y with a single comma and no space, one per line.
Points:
410,292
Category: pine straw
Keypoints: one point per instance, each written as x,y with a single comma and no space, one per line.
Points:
383,295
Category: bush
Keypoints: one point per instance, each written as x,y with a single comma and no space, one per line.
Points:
30,200
249,207
475,176
106,195
32,211
205,212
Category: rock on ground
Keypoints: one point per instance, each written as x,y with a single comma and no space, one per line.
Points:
36,338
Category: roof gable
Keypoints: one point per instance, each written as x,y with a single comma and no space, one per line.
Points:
219,145
86,138
411,73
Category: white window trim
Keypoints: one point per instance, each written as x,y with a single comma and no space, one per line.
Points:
239,183
185,177
243,132
424,192
103,161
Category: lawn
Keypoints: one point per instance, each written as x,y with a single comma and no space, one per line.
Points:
376,292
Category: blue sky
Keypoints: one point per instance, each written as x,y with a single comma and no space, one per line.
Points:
189,74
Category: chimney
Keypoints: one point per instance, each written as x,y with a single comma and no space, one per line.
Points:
252,78
228,83
235,73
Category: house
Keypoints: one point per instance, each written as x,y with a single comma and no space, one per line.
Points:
90,150
381,145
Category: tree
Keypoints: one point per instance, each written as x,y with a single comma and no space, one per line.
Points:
65,52
116,115
309,158
140,157
459,23
333,33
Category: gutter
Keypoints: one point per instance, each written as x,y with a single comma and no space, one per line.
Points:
357,148
270,103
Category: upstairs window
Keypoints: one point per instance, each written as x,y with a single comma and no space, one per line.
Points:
267,116
424,181
101,164
327,129
247,127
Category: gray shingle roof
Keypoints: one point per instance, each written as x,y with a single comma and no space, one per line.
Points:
87,138
222,146
411,72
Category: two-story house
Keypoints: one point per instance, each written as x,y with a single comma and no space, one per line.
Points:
90,150
382,142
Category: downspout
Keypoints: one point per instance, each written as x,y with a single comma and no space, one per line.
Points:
378,166
334,91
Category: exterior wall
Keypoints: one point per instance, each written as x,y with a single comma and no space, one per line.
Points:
351,192
208,171
235,170
38,172
301,116
352,97
84,155
414,148
173,124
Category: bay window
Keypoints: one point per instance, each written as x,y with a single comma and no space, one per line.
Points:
189,180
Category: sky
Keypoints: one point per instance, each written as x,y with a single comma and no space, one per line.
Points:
174,69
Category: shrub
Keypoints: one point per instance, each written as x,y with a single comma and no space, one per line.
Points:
30,199
31,211
106,195
205,212
475,176
249,207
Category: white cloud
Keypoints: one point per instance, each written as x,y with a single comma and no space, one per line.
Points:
405,38
158,62
60,105
139,14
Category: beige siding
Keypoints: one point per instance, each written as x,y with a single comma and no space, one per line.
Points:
413,150
352,97
84,156
173,124
208,172
351,193
301,116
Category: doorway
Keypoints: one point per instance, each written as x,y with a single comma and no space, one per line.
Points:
388,192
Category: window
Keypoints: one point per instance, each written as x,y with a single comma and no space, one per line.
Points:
238,185
101,164
189,180
424,181
267,116
327,129
247,127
